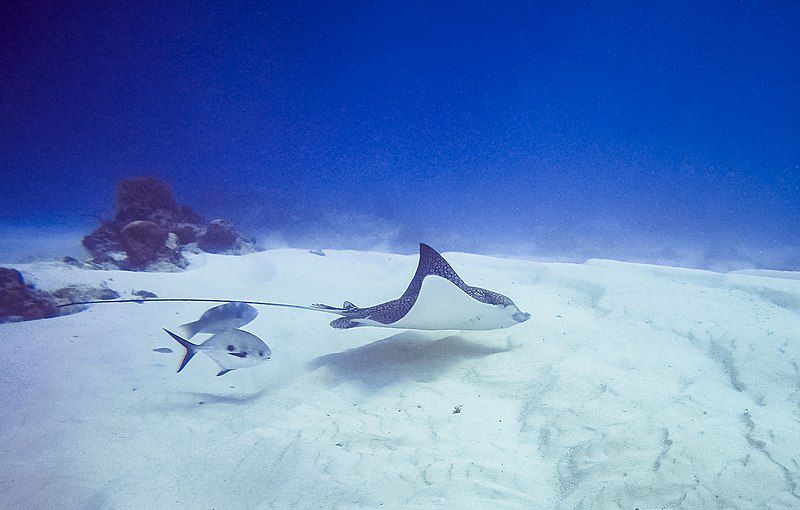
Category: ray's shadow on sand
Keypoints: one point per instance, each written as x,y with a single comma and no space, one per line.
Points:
407,356
212,398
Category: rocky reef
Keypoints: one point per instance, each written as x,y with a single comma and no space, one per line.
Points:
150,231
21,301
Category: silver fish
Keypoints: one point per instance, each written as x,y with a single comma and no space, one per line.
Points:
231,349
220,319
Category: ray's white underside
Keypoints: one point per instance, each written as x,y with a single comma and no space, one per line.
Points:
441,305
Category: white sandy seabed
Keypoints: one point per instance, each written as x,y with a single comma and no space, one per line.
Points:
632,386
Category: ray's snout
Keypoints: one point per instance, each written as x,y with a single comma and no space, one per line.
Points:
521,316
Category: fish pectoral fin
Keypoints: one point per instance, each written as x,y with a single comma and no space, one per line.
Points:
238,354
223,372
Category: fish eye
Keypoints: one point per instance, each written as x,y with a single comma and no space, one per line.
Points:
261,353
230,347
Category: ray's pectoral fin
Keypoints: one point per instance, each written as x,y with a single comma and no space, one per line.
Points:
345,323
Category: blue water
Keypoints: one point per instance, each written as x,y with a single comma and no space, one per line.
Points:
664,134
546,131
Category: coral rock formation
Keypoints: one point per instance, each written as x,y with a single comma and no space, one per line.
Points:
19,301
150,229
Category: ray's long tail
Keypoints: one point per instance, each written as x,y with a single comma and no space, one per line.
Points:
314,308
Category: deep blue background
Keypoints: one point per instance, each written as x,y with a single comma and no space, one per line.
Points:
666,133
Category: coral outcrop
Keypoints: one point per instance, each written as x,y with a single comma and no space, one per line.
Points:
76,293
22,302
150,231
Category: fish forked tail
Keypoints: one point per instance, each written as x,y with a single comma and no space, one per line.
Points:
191,349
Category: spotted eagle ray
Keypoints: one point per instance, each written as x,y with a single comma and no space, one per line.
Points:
436,299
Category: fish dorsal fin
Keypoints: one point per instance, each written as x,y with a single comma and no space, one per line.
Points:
432,264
